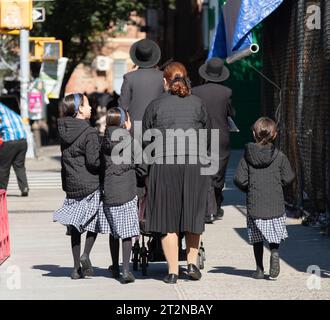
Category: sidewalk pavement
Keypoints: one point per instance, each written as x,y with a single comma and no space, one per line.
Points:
48,159
41,261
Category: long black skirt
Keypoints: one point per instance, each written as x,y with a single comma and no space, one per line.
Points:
176,198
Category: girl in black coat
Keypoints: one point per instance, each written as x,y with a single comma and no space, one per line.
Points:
82,209
120,193
262,173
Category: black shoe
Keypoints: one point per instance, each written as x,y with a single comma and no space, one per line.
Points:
171,278
68,231
114,271
87,267
25,192
77,274
219,215
127,277
258,274
274,269
193,272
209,219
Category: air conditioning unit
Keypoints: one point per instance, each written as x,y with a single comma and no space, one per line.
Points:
102,63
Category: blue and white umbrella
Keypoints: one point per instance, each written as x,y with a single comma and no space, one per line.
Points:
233,38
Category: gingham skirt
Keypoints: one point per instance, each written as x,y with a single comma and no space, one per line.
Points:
84,214
271,230
123,219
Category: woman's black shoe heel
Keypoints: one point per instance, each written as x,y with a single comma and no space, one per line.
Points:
193,272
171,278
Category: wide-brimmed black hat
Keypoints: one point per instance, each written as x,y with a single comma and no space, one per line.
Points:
145,53
214,70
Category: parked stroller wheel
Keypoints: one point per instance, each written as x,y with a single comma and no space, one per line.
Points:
144,258
202,251
135,262
201,256
200,261
136,250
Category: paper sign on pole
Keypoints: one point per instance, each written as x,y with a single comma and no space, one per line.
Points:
52,73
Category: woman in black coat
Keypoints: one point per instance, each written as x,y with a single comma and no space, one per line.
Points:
177,193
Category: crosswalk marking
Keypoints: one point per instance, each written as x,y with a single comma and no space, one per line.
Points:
229,183
37,180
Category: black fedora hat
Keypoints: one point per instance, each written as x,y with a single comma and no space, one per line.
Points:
145,53
214,70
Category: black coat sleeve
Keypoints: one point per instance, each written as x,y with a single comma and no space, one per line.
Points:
287,174
141,169
230,109
231,112
147,121
206,121
125,94
92,149
63,175
241,178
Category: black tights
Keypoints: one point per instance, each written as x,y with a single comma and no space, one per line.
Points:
76,245
114,250
258,249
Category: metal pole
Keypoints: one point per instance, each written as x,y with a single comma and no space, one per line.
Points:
205,22
24,79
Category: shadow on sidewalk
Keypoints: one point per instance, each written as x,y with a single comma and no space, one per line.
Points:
59,272
232,271
304,248
156,271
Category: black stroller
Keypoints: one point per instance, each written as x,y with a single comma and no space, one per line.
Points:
152,250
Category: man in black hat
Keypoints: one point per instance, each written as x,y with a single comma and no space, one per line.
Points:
145,84
141,86
217,100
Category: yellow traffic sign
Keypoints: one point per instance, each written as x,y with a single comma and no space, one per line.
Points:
45,49
16,14
41,39
9,32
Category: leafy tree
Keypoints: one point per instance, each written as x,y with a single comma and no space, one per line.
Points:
78,23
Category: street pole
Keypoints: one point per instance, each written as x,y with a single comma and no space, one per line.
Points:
24,79
205,22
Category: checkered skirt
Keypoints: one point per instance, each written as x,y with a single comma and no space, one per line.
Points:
123,219
271,230
84,214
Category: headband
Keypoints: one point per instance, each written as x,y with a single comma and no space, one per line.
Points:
76,102
122,116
